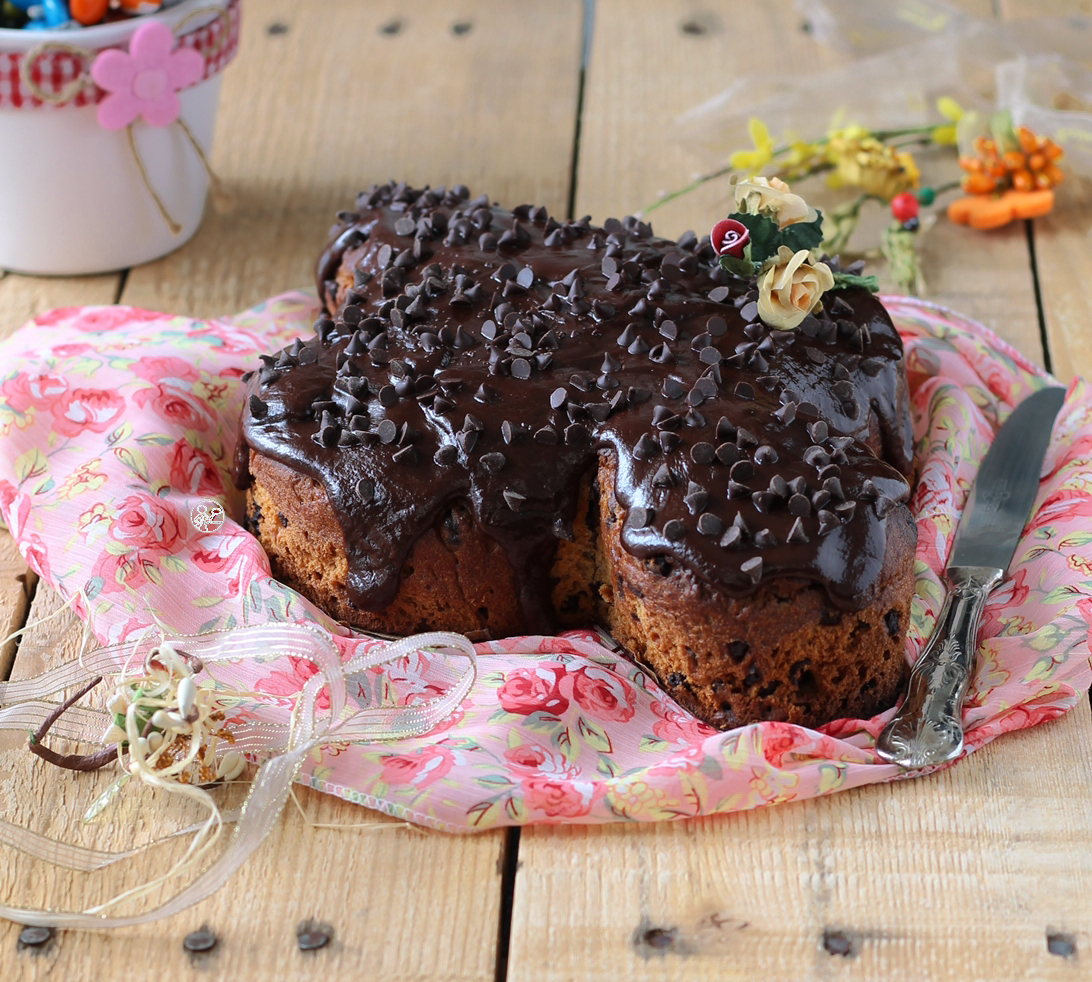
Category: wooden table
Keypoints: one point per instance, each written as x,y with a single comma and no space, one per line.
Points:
980,872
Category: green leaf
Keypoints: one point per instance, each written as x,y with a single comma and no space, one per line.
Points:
803,235
595,735
843,280
155,439
652,744
30,465
737,266
122,432
765,236
173,564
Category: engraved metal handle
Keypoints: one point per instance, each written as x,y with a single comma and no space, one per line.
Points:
928,728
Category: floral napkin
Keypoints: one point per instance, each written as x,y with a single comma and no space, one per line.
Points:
117,424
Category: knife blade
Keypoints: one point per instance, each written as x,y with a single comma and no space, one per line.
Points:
928,728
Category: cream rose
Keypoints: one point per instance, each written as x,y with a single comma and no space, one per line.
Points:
772,197
791,288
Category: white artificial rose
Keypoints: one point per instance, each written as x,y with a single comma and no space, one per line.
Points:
772,197
791,287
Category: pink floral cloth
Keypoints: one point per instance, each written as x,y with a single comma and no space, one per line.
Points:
115,423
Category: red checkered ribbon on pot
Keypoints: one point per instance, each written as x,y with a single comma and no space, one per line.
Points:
54,74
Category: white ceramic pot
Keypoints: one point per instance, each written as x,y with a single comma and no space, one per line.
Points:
72,199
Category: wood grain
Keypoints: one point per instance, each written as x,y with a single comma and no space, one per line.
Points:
17,584
334,97
23,297
366,92
652,61
401,903
1062,241
959,875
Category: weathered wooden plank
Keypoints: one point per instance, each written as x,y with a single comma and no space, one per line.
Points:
961,875
23,297
323,100
1062,242
401,903
483,93
958,875
16,586
652,61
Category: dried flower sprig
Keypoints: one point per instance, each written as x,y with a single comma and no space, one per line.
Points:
880,166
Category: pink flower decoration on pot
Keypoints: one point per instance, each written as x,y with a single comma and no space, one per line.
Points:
729,237
144,81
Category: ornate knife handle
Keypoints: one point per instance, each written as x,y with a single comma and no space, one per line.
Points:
928,728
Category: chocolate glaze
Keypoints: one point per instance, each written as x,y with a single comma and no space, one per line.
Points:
479,354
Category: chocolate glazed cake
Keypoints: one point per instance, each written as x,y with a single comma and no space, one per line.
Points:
509,424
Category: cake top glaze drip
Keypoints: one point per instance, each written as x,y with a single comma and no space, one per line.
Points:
478,354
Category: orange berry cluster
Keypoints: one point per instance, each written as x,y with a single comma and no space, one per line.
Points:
1032,167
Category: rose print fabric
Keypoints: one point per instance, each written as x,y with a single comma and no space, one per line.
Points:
116,423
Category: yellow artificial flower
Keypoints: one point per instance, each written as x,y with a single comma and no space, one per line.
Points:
945,135
752,161
802,157
860,160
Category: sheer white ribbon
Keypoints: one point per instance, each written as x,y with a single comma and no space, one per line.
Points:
282,747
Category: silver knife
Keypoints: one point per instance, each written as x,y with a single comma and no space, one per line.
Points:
928,728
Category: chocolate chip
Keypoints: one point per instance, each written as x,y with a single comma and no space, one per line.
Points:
717,326
388,395
521,368
513,499
697,501
765,539
828,521
744,390
407,455
725,429
787,413
639,518
869,491
796,533
467,440
753,569
732,539
674,530
526,277
365,490
702,453
546,435
727,453
661,355
834,487
646,448
883,506
765,455
749,311
711,356
258,409
493,462
891,622
576,434
387,431
742,470
799,506
669,441
709,524
672,388
663,478
763,501
446,455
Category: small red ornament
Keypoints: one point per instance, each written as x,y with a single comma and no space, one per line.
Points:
904,206
729,237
